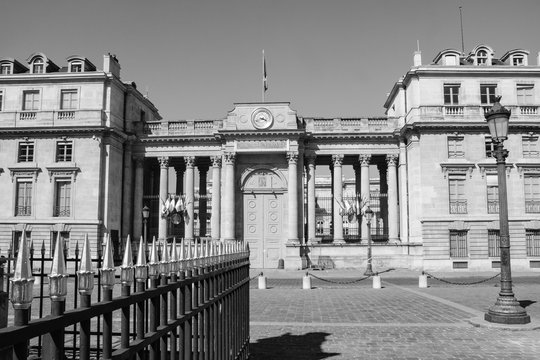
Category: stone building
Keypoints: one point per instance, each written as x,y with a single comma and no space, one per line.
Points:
291,186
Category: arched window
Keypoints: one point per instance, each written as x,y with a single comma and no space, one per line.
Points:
38,67
481,57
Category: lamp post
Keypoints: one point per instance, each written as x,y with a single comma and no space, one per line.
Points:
506,309
368,214
145,216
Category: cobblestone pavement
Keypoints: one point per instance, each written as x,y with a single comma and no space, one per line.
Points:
399,321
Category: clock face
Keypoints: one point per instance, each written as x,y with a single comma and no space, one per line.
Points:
262,118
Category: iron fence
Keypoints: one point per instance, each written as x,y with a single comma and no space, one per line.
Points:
198,308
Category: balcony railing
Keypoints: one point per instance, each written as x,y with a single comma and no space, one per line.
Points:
28,115
23,211
532,206
528,110
458,207
62,211
493,206
65,115
453,110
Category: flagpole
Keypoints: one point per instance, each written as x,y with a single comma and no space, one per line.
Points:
263,75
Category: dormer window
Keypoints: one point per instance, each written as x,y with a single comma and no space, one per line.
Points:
76,67
38,67
517,60
5,69
481,57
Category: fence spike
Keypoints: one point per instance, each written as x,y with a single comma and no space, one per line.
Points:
22,281
153,264
58,276
127,271
128,254
141,256
77,249
86,259
108,261
165,264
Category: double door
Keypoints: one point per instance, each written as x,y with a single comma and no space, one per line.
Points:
263,228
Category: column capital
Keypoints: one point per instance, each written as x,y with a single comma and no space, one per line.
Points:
337,160
310,158
229,158
292,157
364,159
216,161
163,161
391,159
190,161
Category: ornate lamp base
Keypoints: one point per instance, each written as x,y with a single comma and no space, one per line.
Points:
507,311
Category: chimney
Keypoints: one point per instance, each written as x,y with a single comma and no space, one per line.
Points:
417,58
111,65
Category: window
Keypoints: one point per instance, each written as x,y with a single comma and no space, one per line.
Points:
64,151
494,243
532,193
54,236
458,202
492,194
517,60
489,146
525,94
76,67
62,204
5,69
31,100
38,66
451,94
455,147
487,94
23,206
481,57
533,242
69,99
530,146
26,151
458,243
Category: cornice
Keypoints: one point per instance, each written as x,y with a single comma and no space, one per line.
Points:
259,133
48,77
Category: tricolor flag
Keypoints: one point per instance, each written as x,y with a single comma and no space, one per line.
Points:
265,78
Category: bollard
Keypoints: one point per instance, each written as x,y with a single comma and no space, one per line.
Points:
376,281
306,282
262,282
422,281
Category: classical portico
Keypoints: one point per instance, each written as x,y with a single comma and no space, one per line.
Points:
294,188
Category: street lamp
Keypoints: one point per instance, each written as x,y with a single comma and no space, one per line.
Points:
368,214
145,216
506,309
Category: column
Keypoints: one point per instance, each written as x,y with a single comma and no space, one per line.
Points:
190,198
216,197
203,173
393,214
163,194
228,205
364,185
311,221
337,161
127,195
180,169
403,213
292,158
138,199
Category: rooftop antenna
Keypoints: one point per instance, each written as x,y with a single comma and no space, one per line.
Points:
264,77
147,91
461,22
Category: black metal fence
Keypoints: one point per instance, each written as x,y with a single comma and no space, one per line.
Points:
199,309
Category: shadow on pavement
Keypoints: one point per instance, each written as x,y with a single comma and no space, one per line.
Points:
289,347
525,303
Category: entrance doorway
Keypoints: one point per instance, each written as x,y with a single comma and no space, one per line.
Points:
263,228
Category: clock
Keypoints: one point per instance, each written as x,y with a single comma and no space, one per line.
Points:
262,118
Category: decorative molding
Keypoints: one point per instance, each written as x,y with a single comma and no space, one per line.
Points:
190,161
59,171
459,226
391,159
528,168
491,169
292,157
30,171
229,158
494,225
532,225
61,227
262,145
457,168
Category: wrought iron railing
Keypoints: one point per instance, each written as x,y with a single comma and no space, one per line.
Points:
493,206
62,211
21,210
532,206
458,206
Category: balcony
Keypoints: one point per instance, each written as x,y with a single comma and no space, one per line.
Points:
532,206
493,206
23,210
65,115
27,115
458,206
453,110
528,110
62,211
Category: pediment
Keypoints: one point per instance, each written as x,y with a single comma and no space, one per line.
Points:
261,117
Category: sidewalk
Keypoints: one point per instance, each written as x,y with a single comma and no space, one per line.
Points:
399,321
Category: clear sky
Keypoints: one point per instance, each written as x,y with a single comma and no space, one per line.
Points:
327,57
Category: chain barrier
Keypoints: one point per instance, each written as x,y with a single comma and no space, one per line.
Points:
256,276
460,283
337,281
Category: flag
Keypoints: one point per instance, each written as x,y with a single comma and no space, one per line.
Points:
171,204
179,205
265,78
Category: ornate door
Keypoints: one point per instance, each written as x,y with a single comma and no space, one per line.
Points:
263,228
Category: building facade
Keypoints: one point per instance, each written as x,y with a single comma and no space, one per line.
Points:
293,187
